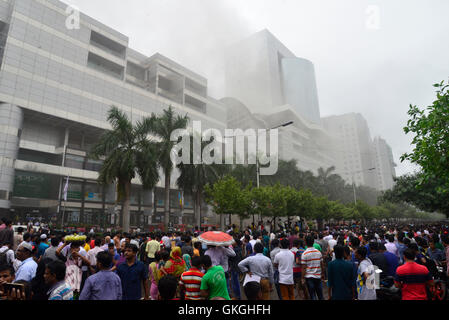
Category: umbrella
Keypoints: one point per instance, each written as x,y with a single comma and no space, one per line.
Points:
216,238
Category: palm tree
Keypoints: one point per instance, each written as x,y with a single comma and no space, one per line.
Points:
194,177
163,128
127,151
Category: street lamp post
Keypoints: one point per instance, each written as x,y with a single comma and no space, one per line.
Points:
353,182
257,161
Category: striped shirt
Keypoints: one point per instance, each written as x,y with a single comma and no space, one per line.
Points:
311,259
60,291
413,277
192,282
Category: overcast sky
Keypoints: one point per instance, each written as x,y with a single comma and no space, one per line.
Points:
375,57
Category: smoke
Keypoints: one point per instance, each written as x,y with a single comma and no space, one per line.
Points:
193,33
374,57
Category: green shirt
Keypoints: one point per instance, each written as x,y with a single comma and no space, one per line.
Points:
215,281
317,246
438,245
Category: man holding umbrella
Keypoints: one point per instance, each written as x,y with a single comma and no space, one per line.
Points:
219,249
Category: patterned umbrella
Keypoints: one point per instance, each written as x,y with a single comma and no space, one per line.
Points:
216,238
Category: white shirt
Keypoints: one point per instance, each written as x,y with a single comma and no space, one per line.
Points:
285,260
328,237
273,253
332,244
166,241
243,238
253,242
365,293
84,254
391,247
92,255
9,254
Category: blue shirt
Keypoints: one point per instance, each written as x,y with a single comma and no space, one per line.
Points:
41,249
103,285
436,254
341,279
401,249
392,262
132,277
60,291
249,249
26,270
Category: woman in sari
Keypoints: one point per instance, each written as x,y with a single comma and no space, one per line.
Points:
175,266
153,275
188,260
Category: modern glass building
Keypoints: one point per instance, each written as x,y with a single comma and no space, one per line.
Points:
56,85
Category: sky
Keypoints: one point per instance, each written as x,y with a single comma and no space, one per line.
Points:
374,57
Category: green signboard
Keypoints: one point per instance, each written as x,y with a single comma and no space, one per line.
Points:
32,185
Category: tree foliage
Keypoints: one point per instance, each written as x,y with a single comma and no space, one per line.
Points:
127,153
162,128
411,189
431,140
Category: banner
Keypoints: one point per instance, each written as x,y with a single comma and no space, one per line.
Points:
66,188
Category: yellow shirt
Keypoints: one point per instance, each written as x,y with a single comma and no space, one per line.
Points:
87,247
152,247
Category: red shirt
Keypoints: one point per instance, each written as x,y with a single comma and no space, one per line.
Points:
192,281
413,278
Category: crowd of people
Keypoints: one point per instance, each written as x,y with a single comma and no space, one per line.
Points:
291,263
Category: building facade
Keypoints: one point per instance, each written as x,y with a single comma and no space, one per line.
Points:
56,87
274,87
385,166
352,148
265,75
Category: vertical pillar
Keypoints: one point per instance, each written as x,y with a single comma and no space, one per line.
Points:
62,179
11,122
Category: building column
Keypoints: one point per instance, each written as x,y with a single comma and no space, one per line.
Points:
11,122
62,180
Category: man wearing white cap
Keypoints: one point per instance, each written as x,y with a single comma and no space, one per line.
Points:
42,245
27,269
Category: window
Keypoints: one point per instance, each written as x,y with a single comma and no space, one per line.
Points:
93,192
100,41
73,161
3,195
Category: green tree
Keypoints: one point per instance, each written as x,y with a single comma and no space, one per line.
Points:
431,139
127,151
414,190
277,201
365,211
226,196
322,210
246,174
337,210
163,127
193,178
